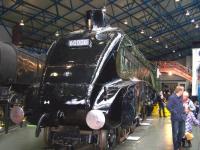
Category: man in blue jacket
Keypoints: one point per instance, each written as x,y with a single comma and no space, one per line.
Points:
178,116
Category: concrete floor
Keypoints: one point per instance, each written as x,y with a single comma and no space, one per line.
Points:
157,136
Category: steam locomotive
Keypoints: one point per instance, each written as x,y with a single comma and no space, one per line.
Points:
94,87
20,71
18,66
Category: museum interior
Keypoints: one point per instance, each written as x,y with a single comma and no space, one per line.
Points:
99,74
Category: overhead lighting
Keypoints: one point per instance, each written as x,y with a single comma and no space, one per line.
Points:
173,51
177,0
170,73
21,22
157,41
197,26
192,21
57,34
104,9
166,46
71,61
125,22
150,37
142,31
187,13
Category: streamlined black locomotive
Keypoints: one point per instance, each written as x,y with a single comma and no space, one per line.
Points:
94,87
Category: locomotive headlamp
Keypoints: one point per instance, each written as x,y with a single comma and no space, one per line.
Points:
95,119
54,74
17,114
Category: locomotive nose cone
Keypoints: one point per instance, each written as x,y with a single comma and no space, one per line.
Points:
17,114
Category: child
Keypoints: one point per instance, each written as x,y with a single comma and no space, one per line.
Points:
190,121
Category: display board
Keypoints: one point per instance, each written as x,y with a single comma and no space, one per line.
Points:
195,71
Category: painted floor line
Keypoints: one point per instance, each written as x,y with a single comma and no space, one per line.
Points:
149,119
133,138
145,124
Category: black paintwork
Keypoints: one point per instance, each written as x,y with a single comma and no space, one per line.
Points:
88,77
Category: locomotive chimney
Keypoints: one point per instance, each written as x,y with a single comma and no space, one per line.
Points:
96,19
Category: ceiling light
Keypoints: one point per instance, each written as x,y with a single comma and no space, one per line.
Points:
104,9
177,0
166,46
22,19
157,41
125,22
187,13
21,23
197,26
142,31
174,51
192,21
57,34
150,37
170,73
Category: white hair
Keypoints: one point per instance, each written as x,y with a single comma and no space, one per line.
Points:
185,93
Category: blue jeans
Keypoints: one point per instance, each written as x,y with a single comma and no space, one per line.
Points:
178,130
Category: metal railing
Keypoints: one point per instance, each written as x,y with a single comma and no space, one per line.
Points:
175,68
174,64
